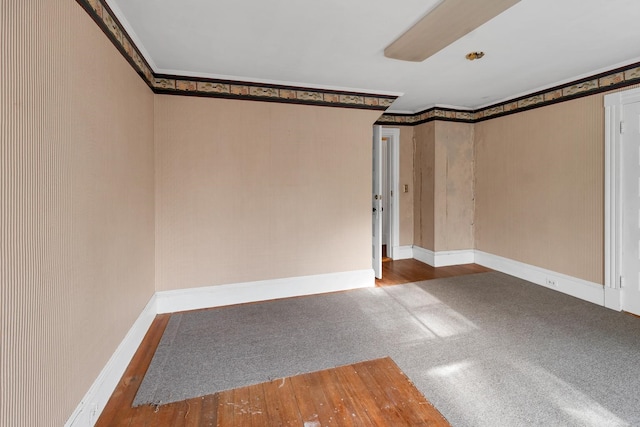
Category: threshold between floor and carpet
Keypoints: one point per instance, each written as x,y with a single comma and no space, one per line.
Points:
485,349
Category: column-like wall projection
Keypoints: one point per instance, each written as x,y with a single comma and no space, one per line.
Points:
444,186
424,185
453,187
406,177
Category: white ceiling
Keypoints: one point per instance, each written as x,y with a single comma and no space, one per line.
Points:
339,44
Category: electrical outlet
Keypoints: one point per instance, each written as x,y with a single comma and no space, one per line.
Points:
551,282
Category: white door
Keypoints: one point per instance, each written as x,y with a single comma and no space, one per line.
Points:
630,191
377,202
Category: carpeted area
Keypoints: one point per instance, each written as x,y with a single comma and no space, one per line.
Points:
486,349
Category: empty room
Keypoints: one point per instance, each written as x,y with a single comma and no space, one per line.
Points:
319,213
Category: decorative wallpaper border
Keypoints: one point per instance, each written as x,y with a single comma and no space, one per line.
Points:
181,85
603,82
275,93
111,26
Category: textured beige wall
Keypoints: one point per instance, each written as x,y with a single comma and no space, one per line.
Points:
113,198
253,191
539,187
279,188
424,185
76,212
453,188
406,177
443,205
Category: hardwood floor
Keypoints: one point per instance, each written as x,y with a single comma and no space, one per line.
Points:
411,270
369,393
118,411
377,392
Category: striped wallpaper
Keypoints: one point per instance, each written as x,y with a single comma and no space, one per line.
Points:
35,261
77,201
539,187
76,207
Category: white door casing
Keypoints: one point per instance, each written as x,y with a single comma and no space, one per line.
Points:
376,202
630,192
622,204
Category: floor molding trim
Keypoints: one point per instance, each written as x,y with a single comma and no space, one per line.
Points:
94,401
579,288
264,290
444,258
424,255
612,298
402,252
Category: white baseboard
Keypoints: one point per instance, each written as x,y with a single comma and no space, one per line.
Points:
444,258
94,401
402,252
583,289
573,286
424,255
612,298
221,295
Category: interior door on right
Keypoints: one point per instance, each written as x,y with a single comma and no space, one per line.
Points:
630,192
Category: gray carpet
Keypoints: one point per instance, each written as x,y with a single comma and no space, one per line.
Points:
486,349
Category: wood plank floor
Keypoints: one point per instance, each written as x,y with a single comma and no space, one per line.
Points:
377,392
367,394
411,270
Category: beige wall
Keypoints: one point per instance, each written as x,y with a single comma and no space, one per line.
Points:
443,176
453,187
406,177
424,185
113,199
539,187
76,212
245,191
253,191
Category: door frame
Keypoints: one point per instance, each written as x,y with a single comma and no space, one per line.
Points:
614,105
393,162
376,202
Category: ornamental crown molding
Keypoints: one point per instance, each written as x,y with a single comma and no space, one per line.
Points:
231,89
218,88
603,82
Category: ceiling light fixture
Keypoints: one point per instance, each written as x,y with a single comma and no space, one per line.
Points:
474,55
446,23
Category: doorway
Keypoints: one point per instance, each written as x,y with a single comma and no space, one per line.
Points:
392,190
387,175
